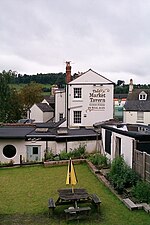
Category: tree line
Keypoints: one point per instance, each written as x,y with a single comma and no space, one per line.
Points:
42,78
14,103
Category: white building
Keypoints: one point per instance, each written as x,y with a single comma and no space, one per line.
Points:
89,99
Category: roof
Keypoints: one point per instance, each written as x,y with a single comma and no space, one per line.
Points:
134,104
130,130
91,77
46,131
69,134
15,131
45,107
120,96
50,99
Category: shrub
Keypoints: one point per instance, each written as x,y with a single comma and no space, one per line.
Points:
74,154
64,155
141,191
49,155
121,175
78,152
99,160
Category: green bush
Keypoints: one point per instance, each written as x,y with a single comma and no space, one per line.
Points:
75,153
64,155
78,152
49,156
121,175
141,191
99,160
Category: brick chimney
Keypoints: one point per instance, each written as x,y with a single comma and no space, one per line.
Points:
131,86
68,72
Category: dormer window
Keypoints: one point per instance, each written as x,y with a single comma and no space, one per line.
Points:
142,96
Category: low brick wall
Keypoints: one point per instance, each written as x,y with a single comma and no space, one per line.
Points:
63,162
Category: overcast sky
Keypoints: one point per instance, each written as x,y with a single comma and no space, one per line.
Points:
112,37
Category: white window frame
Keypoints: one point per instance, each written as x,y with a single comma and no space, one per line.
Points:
77,116
142,96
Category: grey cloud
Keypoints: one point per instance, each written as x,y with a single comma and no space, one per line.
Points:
40,35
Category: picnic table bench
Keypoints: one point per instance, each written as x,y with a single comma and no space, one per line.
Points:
51,206
96,201
77,213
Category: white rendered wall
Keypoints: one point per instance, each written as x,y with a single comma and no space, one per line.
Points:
47,116
36,114
20,150
60,105
90,146
126,147
131,117
96,104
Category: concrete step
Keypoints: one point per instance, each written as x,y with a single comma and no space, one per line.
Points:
131,205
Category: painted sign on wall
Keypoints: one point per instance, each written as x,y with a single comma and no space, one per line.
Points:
97,99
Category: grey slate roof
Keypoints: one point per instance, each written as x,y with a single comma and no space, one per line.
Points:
50,99
52,134
15,132
120,96
46,131
134,104
45,107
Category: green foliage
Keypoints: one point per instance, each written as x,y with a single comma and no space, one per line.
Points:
64,155
141,191
74,154
121,175
30,94
78,152
49,155
99,160
49,78
10,107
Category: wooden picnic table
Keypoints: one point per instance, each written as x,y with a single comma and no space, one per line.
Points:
77,194
70,197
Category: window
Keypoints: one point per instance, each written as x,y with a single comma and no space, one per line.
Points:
35,150
77,117
60,116
9,151
108,141
142,96
77,93
140,116
118,147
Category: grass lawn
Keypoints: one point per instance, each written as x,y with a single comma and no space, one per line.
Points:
24,194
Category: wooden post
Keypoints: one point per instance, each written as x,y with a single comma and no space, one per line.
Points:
20,160
144,166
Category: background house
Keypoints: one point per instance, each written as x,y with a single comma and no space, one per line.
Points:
137,107
41,112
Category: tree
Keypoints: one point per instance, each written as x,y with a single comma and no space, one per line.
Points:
9,109
30,94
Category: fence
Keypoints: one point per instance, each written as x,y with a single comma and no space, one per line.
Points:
141,164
